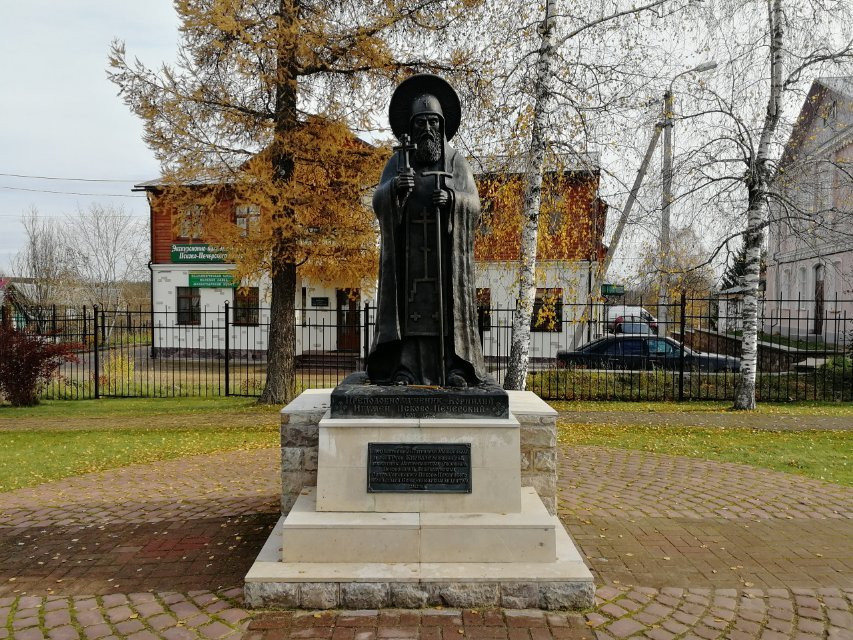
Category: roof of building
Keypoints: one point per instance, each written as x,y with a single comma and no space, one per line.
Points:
820,88
839,84
571,162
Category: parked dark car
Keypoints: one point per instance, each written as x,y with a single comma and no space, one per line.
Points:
643,352
635,328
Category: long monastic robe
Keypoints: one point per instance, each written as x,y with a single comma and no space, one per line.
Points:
393,337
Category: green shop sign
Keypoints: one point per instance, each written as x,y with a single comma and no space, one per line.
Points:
608,289
198,253
212,280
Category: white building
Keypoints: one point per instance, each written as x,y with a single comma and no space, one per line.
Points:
810,239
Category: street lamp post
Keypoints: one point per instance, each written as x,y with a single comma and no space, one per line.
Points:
666,192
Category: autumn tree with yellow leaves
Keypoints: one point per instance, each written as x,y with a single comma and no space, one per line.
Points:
262,106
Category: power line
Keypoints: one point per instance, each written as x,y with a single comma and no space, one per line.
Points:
73,193
61,216
21,175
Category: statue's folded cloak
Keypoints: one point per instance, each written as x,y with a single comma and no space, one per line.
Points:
463,218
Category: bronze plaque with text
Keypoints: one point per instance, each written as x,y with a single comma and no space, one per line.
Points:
418,468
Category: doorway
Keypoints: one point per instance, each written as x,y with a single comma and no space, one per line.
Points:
818,300
347,319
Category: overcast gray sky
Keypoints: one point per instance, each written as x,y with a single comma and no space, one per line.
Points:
61,117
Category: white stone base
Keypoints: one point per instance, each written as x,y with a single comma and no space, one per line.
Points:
564,583
495,471
310,535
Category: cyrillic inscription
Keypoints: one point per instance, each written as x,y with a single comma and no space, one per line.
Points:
418,468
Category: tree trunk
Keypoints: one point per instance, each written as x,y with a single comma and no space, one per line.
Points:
281,346
753,239
758,177
519,354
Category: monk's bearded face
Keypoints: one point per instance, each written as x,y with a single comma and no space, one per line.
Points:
426,131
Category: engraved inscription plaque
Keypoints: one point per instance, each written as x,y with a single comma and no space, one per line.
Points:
418,468
356,397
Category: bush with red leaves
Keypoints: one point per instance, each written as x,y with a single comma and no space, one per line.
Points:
27,361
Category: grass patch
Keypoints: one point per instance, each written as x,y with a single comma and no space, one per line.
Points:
28,458
58,439
123,407
824,455
803,408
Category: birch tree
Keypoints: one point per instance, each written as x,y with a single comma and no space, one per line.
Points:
589,65
768,51
519,355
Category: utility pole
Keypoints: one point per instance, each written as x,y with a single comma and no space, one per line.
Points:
666,200
666,194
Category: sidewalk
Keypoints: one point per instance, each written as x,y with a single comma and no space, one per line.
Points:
680,548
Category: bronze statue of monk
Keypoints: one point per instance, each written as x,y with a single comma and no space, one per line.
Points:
428,208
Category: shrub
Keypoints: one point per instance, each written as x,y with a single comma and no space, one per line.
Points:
837,377
27,361
118,375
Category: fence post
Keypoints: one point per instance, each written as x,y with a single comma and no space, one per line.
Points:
682,330
96,355
366,330
227,347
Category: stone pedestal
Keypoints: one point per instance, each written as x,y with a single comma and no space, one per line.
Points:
340,546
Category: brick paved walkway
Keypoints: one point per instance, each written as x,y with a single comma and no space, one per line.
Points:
681,548
664,521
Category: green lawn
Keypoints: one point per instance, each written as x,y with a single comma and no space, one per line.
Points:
804,408
824,455
58,439
32,457
123,407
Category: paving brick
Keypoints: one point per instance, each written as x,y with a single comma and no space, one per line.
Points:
24,623
162,621
129,626
66,632
482,632
215,630
96,631
625,628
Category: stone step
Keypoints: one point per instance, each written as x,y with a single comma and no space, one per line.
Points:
365,537
565,583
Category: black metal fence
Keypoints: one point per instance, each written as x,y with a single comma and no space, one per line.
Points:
688,349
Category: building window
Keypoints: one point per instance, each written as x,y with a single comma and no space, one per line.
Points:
246,306
547,311
484,309
247,217
190,227
831,113
189,305
486,212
